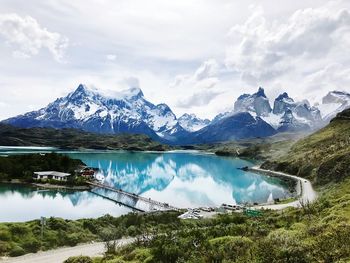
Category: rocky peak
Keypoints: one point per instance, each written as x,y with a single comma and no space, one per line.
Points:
134,92
191,122
260,93
282,103
336,97
81,92
257,103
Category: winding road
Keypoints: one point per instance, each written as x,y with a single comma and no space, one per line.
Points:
61,254
307,194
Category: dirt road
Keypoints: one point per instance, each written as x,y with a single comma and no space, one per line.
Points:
61,254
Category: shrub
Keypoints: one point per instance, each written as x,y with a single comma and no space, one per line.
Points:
4,247
17,251
32,245
139,254
333,244
283,246
19,230
5,235
231,248
79,259
73,239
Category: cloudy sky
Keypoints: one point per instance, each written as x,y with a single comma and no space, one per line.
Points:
196,56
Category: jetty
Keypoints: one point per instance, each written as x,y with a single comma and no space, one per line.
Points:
134,201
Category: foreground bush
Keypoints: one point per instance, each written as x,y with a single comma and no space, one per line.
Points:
80,259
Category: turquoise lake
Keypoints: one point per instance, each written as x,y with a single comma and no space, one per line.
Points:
182,179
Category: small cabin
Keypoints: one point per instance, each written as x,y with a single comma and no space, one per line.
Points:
87,172
51,175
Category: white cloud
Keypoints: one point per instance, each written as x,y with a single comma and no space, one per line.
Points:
111,57
198,99
209,68
28,37
285,46
263,49
332,77
131,82
200,87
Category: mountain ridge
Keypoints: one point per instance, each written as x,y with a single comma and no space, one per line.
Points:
128,111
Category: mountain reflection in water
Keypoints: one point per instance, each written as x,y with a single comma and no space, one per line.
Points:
178,178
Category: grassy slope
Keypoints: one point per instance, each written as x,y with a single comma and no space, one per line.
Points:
316,233
73,139
259,148
323,156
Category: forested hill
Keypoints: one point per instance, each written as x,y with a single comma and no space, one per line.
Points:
74,139
323,156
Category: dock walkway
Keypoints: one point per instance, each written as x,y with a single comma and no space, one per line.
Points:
137,198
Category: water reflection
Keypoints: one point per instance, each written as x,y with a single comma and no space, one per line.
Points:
184,179
180,179
22,203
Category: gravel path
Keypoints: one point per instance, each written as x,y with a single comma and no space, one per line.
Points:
61,254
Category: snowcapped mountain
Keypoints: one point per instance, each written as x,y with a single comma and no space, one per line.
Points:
105,112
129,112
256,103
191,122
282,103
286,114
333,103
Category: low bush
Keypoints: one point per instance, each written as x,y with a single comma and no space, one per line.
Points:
80,259
16,251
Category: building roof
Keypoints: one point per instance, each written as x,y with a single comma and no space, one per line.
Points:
52,173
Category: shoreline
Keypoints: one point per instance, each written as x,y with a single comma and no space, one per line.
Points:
48,186
305,191
57,186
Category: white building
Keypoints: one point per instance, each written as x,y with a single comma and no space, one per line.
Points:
45,175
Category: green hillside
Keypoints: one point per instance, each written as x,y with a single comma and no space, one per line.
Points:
75,139
323,156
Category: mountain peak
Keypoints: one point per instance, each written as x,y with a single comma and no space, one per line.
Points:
81,88
191,122
134,92
81,92
283,103
256,103
336,97
282,96
260,93
85,91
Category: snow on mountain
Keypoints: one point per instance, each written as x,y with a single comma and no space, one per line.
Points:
282,103
286,114
333,103
257,103
191,122
291,122
128,111
106,112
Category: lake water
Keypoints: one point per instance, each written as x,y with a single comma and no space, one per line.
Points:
182,179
